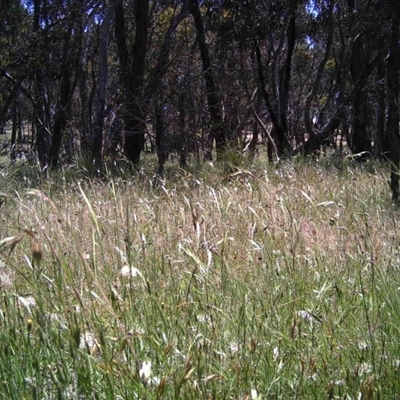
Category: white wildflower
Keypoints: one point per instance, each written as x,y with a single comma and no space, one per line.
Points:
234,347
145,372
363,345
88,341
28,302
306,315
275,353
127,271
254,395
136,331
202,318
30,381
313,377
365,368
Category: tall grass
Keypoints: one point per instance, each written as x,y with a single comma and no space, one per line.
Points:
269,283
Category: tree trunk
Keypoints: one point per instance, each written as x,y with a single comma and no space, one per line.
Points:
361,142
217,130
393,90
132,75
63,108
135,119
285,75
97,136
282,142
382,139
38,104
162,150
85,111
316,85
280,82
5,107
13,154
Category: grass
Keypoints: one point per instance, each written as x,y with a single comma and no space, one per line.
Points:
269,283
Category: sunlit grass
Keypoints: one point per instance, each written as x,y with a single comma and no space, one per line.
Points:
273,283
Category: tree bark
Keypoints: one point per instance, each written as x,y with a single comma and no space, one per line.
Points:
393,90
217,130
282,142
277,104
97,136
13,154
85,105
359,62
285,76
382,139
132,76
63,107
5,107
38,104
316,85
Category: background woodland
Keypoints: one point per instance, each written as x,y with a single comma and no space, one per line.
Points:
106,80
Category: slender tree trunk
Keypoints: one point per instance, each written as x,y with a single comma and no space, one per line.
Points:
393,90
162,151
282,143
137,96
5,107
135,119
336,96
38,103
97,136
361,142
13,154
63,108
382,139
217,130
285,76
317,81
132,76
85,111
280,82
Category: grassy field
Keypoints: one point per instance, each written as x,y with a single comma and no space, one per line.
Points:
268,283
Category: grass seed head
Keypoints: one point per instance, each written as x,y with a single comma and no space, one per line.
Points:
29,324
37,253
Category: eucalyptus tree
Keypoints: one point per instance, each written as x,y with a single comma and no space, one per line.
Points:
393,88
70,39
274,41
98,126
14,33
57,31
217,131
266,35
354,35
368,37
139,84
